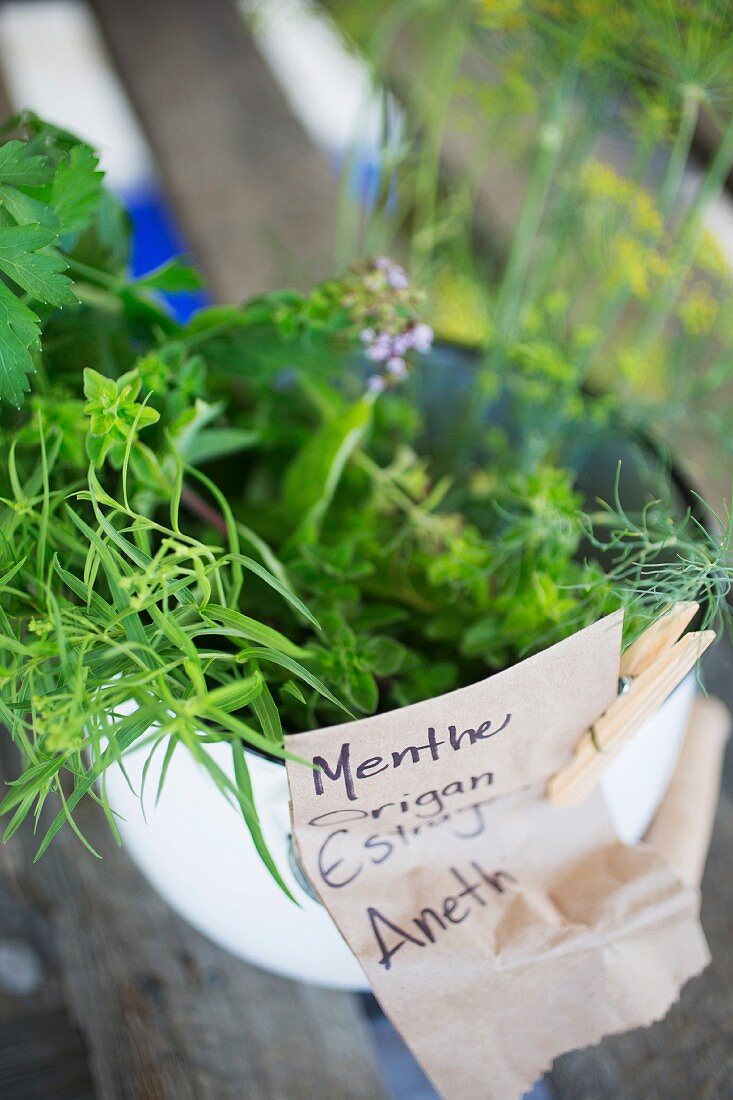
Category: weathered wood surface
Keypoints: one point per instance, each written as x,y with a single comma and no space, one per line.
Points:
256,199
162,1013
43,1055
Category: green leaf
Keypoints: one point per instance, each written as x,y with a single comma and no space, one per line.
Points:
212,318
291,689
361,690
172,277
19,334
482,636
238,625
383,655
315,471
38,273
103,611
6,577
131,623
218,442
97,386
248,734
268,715
275,583
298,670
193,421
24,208
77,189
19,168
32,778
246,803
236,695
113,231
127,731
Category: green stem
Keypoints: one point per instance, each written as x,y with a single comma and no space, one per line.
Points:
614,306
521,255
565,220
395,494
443,66
195,339
680,151
93,275
689,235
551,140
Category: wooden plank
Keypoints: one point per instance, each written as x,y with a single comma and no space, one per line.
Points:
43,1055
256,200
165,1014
41,1058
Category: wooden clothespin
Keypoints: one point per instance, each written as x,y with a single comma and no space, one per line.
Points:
651,668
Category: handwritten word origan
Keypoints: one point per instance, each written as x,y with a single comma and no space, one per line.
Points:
345,771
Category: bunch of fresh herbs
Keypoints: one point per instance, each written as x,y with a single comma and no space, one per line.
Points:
249,523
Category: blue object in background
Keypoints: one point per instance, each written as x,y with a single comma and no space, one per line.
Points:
363,170
155,239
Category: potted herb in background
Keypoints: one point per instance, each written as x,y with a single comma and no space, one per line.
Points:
539,183
267,519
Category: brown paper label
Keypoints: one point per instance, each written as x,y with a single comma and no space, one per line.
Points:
496,930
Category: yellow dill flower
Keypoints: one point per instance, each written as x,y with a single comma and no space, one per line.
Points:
585,336
709,257
459,310
631,365
645,372
631,263
659,267
556,302
698,312
505,15
602,181
646,217
596,25
507,94
537,317
651,117
543,361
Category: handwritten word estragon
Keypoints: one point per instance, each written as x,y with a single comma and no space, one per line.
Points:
344,769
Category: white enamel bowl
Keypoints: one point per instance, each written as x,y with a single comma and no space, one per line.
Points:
194,849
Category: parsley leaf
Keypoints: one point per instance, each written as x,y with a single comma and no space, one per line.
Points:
21,170
19,332
77,189
38,273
